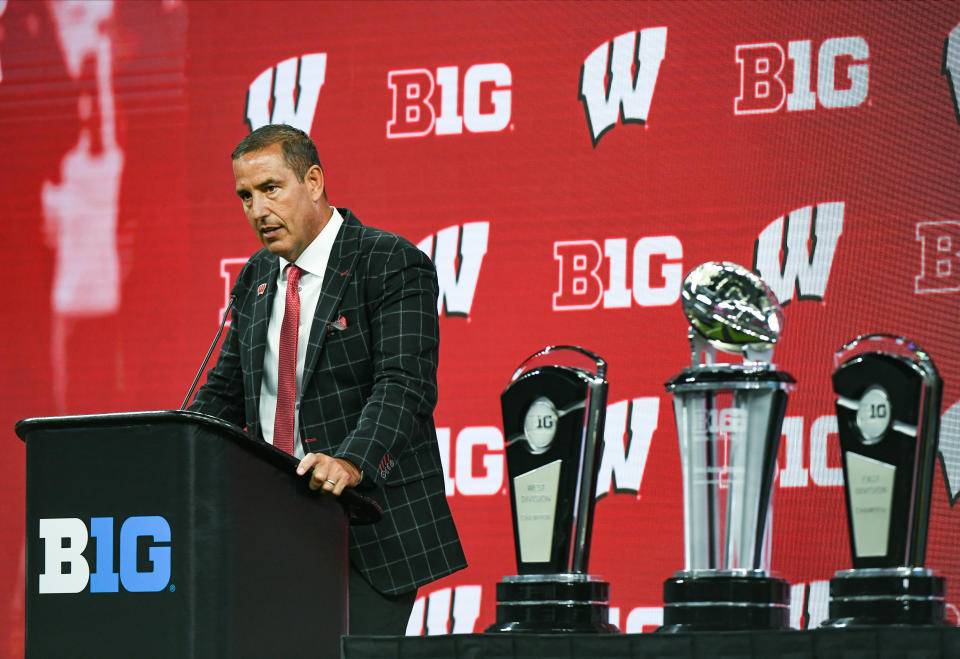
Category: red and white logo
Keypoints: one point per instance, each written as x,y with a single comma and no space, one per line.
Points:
483,105
627,436
457,252
842,75
794,254
951,66
447,610
618,78
582,282
939,257
287,93
229,271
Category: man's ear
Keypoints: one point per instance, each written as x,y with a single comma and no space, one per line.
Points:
314,180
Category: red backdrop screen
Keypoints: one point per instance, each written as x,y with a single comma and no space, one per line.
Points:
564,164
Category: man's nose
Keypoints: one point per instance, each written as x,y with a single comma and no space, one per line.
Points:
258,207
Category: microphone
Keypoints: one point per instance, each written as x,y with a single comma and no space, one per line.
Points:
223,322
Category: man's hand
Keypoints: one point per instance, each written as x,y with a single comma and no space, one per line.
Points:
329,474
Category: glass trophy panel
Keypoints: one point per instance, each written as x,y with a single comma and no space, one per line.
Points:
700,480
751,410
871,499
717,504
536,500
727,450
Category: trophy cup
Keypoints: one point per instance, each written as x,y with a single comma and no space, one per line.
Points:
888,415
729,417
553,418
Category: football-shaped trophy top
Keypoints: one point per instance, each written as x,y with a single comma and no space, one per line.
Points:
731,307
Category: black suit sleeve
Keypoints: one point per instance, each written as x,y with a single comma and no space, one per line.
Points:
402,298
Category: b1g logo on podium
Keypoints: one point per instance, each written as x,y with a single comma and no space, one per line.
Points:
66,570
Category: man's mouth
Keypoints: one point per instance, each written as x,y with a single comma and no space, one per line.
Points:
269,231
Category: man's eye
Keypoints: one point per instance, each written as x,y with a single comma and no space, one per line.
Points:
272,188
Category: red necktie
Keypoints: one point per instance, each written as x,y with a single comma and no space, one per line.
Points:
283,423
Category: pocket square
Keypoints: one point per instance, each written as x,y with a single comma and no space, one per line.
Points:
339,324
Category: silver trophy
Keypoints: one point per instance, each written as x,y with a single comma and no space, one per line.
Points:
729,418
553,414
888,414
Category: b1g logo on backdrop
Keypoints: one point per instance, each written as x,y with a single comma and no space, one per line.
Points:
66,538
618,78
483,106
657,273
287,93
842,75
939,257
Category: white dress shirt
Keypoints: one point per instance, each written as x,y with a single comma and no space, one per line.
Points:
313,262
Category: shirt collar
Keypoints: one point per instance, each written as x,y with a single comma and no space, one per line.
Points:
314,258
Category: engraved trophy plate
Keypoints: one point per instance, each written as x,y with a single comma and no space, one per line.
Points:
536,496
871,493
553,413
888,412
729,418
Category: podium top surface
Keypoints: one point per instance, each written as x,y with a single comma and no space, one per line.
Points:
25,426
360,508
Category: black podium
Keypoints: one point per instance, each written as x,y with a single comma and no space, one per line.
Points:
173,534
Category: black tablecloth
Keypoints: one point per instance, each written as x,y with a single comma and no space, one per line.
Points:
865,643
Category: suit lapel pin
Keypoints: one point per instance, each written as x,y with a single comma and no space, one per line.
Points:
261,289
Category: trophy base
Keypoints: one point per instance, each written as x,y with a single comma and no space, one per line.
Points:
548,603
886,596
701,601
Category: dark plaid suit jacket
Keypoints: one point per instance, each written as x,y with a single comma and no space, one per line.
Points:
368,393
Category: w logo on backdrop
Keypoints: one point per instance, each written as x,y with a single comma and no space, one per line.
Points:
457,252
950,450
618,79
807,239
287,93
951,66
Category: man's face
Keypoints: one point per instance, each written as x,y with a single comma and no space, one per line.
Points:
284,212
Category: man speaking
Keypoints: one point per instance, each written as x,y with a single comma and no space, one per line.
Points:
332,356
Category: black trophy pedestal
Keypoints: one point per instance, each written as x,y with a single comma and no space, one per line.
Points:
886,596
547,603
714,602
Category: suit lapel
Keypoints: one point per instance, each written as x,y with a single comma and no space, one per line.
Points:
262,306
340,266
